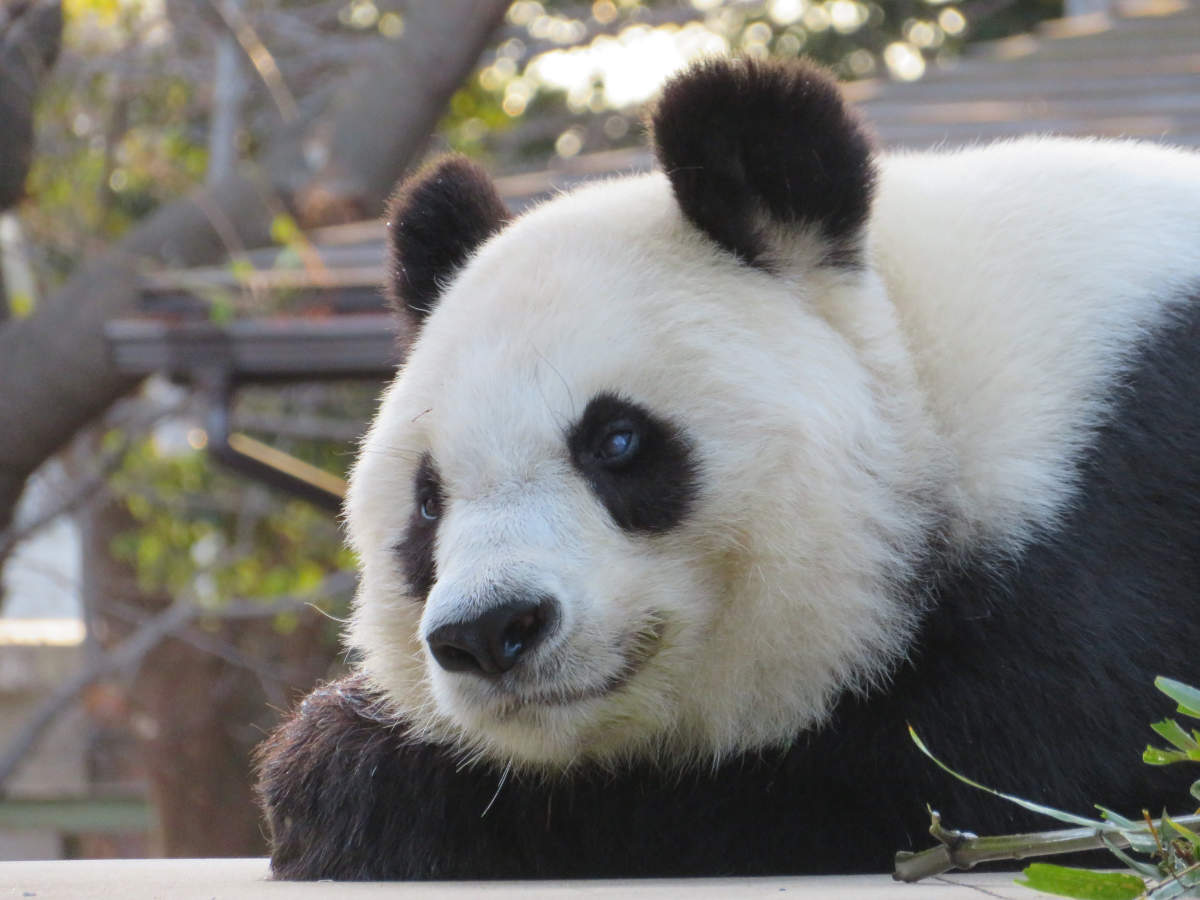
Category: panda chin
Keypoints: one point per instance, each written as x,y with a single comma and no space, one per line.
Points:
541,721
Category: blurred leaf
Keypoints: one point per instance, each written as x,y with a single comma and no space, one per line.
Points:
20,304
285,231
221,309
286,622
1082,883
1195,790
288,258
241,268
104,10
1185,695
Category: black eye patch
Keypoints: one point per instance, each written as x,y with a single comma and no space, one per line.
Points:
640,466
416,548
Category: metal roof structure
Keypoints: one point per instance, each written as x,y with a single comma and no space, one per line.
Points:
1133,72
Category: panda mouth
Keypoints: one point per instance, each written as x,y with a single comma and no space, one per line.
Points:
636,648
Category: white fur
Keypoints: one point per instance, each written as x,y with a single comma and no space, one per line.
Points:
837,416
1024,273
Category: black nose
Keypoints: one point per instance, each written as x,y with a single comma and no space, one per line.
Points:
495,641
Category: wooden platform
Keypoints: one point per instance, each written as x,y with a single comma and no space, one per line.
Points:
234,879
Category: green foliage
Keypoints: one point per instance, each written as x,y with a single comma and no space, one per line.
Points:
199,532
117,134
1187,746
1082,883
20,305
1172,848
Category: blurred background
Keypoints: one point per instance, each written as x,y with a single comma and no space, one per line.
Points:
192,336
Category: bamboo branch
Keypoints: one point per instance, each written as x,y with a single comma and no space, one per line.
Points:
963,850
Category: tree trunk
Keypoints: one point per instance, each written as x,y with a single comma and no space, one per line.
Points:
365,141
190,718
30,38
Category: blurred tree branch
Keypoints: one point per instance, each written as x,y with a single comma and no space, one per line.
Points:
125,657
55,366
30,38
90,482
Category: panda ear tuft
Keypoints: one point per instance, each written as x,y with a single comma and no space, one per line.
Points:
748,144
436,219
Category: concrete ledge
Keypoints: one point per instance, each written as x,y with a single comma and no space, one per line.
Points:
233,879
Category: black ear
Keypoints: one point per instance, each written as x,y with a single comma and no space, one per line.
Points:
435,220
748,144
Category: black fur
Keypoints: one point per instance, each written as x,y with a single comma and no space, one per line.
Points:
655,488
747,143
416,550
1033,676
435,221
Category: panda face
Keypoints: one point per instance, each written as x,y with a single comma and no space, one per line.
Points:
570,508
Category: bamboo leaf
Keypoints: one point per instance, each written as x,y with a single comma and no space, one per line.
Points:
1118,819
1139,838
1172,888
1154,756
1185,695
1183,831
1178,738
1082,883
1147,870
1068,818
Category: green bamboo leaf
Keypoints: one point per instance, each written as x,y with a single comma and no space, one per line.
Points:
1185,695
1184,831
1135,832
1118,819
1172,888
1195,790
1082,883
1153,756
1180,739
1068,818
1147,870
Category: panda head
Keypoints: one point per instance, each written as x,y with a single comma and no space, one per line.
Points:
636,492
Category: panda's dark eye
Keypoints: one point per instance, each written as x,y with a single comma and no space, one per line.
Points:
416,548
619,444
638,464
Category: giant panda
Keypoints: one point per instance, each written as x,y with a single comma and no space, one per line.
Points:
697,487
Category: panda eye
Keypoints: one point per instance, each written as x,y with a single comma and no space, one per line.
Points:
619,444
430,509
639,466
428,491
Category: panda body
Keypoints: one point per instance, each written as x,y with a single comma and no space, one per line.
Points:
696,488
